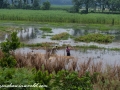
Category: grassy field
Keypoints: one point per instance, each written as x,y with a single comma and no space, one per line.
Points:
59,16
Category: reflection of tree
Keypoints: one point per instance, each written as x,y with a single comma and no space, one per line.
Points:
33,34
86,32
27,36
78,32
21,37
117,38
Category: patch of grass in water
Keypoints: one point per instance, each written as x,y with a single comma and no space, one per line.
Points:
43,36
91,47
46,29
115,49
8,28
61,36
99,38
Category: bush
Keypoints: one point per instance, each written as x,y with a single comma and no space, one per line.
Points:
14,76
7,47
43,78
65,80
8,61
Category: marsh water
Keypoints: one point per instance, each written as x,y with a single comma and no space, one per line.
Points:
33,34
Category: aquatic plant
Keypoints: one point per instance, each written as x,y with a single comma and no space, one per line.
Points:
61,36
46,29
100,38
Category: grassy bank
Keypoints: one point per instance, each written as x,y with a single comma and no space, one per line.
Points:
58,16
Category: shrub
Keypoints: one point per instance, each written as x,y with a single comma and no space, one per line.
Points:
6,47
14,76
65,80
43,78
7,61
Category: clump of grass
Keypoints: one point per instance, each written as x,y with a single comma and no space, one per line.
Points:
46,29
99,38
61,36
115,49
8,29
48,44
43,36
90,47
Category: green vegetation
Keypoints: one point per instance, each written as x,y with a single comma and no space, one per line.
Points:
9,46
58,16
8,28
60,7
14,76
46,5
51,81
70,81
39,44
100,38
61,36
46,29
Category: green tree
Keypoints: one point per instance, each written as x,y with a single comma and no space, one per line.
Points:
46,5
86,3
9,46
77,4
36,5
20,4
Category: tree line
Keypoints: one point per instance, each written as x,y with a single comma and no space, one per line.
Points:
111,5
25,4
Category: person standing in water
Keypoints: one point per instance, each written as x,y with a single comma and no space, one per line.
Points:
68,51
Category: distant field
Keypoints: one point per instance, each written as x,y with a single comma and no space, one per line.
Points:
58,16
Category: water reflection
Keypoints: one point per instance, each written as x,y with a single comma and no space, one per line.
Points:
34,35
26,34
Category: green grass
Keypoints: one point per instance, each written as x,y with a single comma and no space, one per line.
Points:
46,29
100,38
61,36
8,28
59,16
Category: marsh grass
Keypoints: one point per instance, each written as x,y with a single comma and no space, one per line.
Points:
44,44
46,29
99,38
61,36
8,28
